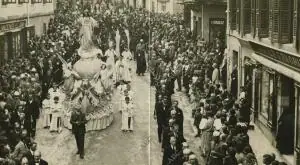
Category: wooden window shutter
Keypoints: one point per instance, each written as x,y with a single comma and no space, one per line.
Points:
246,16
270,17
232,14
295,22
275,21
298,27
253,17
285,21
262,20
238,15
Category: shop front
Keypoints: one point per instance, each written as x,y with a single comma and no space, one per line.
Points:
217,31
276,94
13,38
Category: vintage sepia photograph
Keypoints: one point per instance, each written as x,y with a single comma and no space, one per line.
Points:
149,82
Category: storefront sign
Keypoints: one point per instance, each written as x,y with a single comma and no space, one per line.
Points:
11,26
220,21
277,56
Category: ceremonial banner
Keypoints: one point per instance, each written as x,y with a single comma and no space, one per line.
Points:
128,37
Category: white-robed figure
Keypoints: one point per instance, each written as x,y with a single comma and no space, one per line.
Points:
110,55
46,105
122,72
87,28
57,112
69,78
121,92
127,115
54,92
126,58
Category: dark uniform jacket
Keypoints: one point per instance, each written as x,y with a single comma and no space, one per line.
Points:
78,122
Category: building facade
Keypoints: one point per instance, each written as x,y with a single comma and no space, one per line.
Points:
167,6
263,51
206,18
19,21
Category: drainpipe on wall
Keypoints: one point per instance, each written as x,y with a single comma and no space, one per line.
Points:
202,21
27,14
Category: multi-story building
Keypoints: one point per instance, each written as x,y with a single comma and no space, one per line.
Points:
19,21
206,18
263,49
167,6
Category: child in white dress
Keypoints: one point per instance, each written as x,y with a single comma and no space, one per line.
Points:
56,121
47,111
127,115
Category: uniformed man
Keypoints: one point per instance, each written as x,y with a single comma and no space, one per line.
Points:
78,121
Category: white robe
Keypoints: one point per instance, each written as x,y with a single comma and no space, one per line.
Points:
127,111
110,61
47,112
57,112
121,96
122,71
215,76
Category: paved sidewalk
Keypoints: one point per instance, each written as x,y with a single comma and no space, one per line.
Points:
261,145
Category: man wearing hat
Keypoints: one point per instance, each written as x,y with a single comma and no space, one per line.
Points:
178,115
159,115
171,153
78,121
140,58
32,113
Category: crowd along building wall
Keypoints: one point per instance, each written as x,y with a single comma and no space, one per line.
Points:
264,45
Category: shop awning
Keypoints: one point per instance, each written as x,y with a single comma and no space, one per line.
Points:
277,67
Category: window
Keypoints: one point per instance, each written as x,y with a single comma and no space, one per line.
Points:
253,17
163,7
30,33
295,14
36,1
246,16
23,1
16,46
47,1
270,18
262,18
232,14
282,21
268,95
4,2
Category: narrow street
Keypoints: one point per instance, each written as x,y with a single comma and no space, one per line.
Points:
113,147
107,147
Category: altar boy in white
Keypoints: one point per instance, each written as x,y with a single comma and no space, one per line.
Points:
127,115
56,111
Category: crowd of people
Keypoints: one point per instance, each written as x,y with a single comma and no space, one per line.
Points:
198,68
32,84
29,85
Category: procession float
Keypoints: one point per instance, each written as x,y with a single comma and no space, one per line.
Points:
88,83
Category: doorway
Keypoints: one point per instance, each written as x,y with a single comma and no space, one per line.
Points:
286,116
234,74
